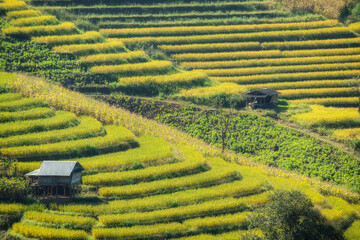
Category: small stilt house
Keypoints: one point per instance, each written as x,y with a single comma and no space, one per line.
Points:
55,179
261,98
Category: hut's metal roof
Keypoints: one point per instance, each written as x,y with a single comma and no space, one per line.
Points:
57,168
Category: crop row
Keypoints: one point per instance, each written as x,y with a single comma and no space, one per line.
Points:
23,14
30,21
195,225
302,84
118,58
33,113
177,77
153,9
210,177
193,161
32,231
232,235
248,185
21,104
282,77
151,151
321,115
282,69
163,31
152,66
60,120
88,127
334,32
271,62
316,92
213,207
12,5
335,101
13,208
236,46
87,49
210,47
350,133
223,88
57,218
62,28
340,209
88,37
264,54
6,97
353,232
116,136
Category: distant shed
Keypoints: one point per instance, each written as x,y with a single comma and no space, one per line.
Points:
56,179
261,98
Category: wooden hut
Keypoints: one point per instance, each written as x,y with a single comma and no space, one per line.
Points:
261,98
55,179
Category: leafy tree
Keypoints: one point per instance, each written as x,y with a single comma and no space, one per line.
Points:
290,215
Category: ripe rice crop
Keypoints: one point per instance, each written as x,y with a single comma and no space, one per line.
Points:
31,21
336,101
191,181
315,92
151,151
226,55
193,161
280,77
355,27
21,104
62,28
334,32
234,235
180,213
353,232
152,66
185,30
177,77
88,127
32,113
23,13
326,115
115,136
325,43
210,47
301,84
87,49
126,57
12,5
7,97
137,232
340,209
32,231
271,62
282,69
11,208
321,52
350,133
222,221
249,184
88,37
223,88
61,219
60,120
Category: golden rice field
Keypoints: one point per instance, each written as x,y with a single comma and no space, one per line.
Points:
211,195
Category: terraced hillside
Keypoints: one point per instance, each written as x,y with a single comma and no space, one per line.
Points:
250,43
136,187
115,66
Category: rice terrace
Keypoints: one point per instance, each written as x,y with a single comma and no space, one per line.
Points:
180,119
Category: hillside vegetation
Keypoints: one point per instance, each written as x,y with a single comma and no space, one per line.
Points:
145,190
